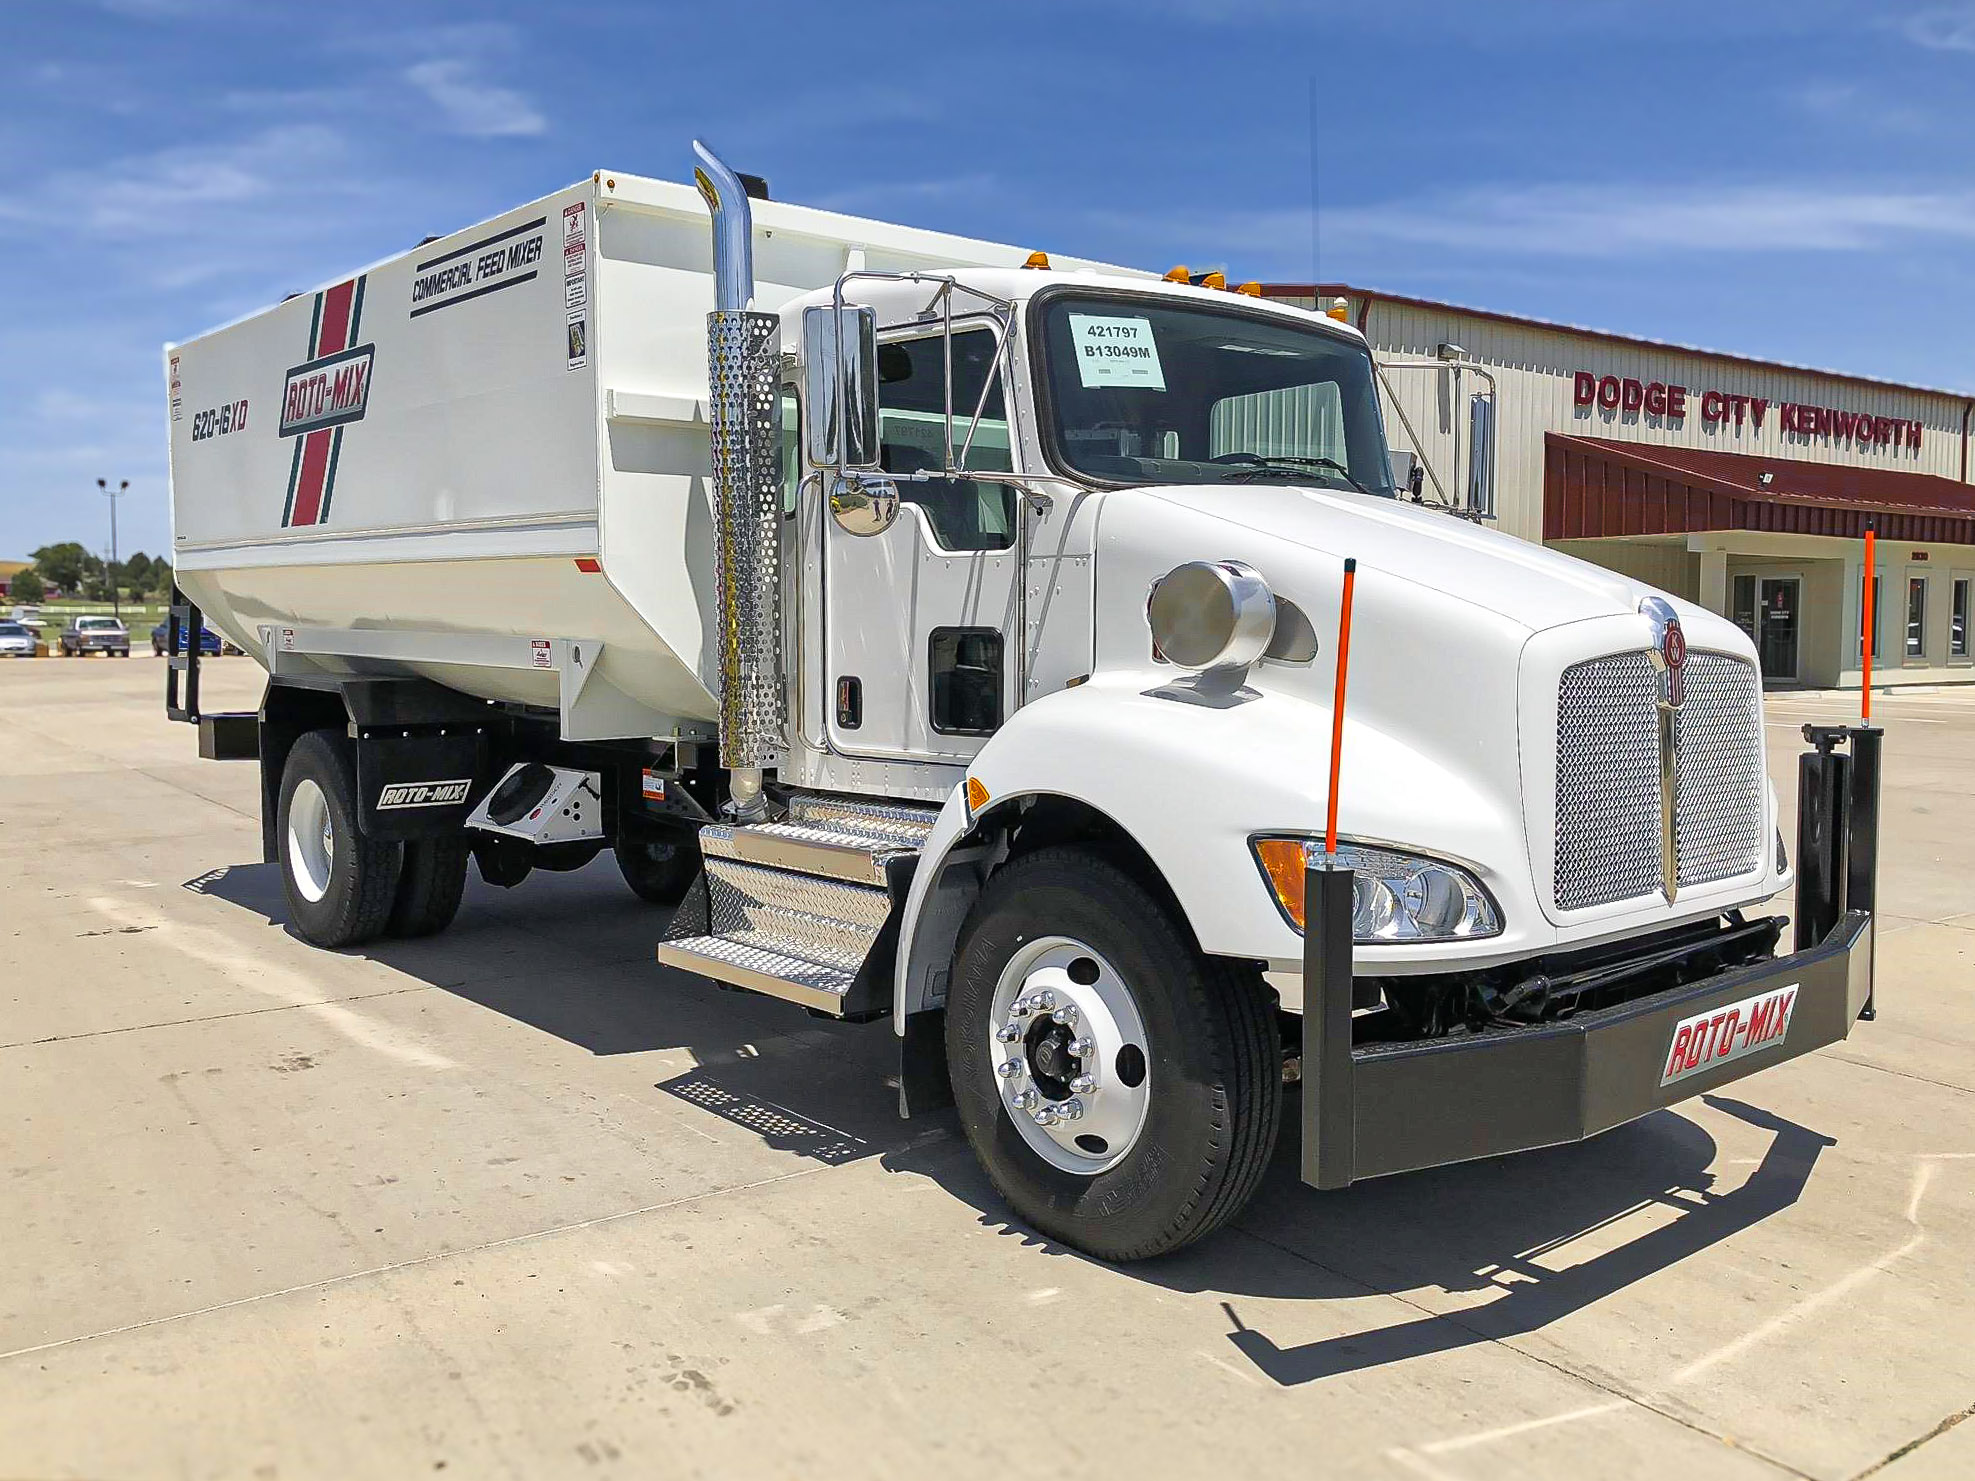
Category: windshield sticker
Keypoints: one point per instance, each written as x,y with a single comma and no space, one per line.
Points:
1116,352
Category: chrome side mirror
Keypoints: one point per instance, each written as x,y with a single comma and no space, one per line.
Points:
1406,471
840,385
863,503
1481,456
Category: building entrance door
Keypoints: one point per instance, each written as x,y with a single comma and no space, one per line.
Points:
1776,625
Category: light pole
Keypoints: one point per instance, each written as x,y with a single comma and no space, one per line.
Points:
113,494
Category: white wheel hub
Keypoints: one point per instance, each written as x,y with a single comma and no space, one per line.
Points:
311,840
1068,1049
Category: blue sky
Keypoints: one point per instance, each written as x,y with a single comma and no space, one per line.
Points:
1787,179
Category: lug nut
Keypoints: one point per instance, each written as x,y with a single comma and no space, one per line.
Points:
1008,1033
1008,1069
1083,1048
1071,1110
1084,1084
1045,1000
1066,1014
1028,1099
1046,1116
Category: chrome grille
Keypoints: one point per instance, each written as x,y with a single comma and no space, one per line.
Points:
1608,777
1608,781
1718,829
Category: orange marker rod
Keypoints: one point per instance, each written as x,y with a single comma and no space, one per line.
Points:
1337,701
1866,628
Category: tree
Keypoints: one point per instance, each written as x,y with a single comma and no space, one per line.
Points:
25,587
63,565
137,574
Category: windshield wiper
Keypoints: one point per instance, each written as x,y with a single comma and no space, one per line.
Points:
1282,463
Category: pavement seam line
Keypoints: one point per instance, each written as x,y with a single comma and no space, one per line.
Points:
1912,1445
1866,1064
1453,1319
411,1264
136,1028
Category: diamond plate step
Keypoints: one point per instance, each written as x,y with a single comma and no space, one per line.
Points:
794,909
832,854
812,984
821,920
904,824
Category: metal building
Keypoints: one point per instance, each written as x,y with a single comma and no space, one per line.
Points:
1740,484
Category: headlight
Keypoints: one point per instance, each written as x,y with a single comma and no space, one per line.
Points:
1395,896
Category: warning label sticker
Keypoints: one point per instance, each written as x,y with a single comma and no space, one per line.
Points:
1116,352
575,256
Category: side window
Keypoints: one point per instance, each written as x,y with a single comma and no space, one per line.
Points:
964,514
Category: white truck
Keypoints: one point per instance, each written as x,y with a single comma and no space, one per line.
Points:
949,635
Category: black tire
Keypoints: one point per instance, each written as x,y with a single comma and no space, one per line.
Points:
660,866
430,884
361,875
157,648
1213,1057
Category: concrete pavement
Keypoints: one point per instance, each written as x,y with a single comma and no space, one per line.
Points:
515,1202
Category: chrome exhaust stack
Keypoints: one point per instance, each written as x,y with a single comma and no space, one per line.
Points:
744,352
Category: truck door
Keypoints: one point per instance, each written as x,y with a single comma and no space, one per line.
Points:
920,622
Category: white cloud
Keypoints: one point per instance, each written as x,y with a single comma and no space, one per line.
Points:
1941,28
1603,221
471,105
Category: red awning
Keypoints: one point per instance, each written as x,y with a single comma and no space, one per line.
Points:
1595,487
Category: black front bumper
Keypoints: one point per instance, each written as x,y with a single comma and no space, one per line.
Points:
1386,1108
1513,1089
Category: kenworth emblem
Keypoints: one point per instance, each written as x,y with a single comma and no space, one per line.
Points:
1670,658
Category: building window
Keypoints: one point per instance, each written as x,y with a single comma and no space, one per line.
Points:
1878,609
1916,617
1745,605
1958,625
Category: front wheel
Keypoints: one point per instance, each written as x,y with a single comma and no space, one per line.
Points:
340,884
1121,1089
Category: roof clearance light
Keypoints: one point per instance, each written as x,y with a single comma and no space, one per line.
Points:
1340,310
1252,290
1179,275
1214,280
1038,260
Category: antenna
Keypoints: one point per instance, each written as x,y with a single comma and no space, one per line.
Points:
1316,200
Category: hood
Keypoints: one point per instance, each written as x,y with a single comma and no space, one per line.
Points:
1515,579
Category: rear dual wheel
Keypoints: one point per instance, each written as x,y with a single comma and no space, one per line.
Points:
343,888
1121,1088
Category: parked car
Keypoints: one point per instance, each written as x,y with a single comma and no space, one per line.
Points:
95,635
209,643
16,640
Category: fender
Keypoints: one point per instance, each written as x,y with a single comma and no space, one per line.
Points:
1191,774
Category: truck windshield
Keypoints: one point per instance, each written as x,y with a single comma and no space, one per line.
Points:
1145,391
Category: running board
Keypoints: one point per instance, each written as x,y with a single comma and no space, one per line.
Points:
805,909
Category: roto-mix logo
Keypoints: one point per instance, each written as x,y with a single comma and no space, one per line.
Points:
321,397
423,794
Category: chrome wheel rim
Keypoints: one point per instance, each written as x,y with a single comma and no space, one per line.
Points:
1066,1044
311,840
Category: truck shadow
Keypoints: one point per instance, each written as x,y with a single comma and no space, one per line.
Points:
1552,1232
572,955
1538,1236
